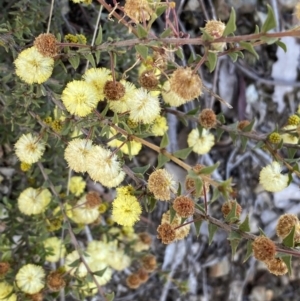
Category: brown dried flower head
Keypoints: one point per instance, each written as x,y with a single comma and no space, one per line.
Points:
45,43
148,80
145,238
93,200
181,231
208,118
263,248
190,182
113,90
55,281
185,83
184,206
143,275
227,207
215,29
138,10
4,268
161,184
277,266
286,223
242,124
133,281
35,297
149,263
166,233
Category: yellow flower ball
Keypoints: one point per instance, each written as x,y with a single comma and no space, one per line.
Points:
170,97
126,210
29,148
117,259
201,145
104,167
80,98
30,279
98,77
54,246
77,185
144,107
32,67
84,214
80,269
76,153
159,126
287,137
271,179
6,290
34,201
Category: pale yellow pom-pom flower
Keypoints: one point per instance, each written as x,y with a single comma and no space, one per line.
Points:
34,201
117,258
83,213
201,145
55,249
29,148
98,77
30,278
32,67
76,153
122,105
144,107
80,98
5,291
159,126
271,179
80,269
126,210
104,167
77,185
287,137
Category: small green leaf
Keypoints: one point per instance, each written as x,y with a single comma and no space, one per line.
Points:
288,261
142,50
100,273
256,29
75,263
270,22
141,169
166,33
197,225
164,141
98,40
234,244
116,118
249,250
282,45
200,207
262,233
244,141
160,10
289,241
193,112
211,61
179,53
269,40
110,296
234,56
205,36
91,59
291,152
151,204
249,47
249,127
211,232
231,216
141,32
172,214
179,189
198,186
162,159
245,226
219,133
183,153
230,26
208,170
215,196
98,56
74,61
